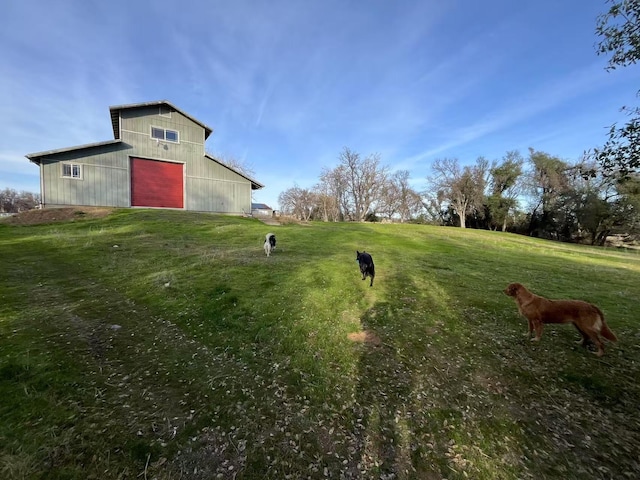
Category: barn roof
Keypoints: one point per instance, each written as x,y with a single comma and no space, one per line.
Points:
254,185
260,206
35,157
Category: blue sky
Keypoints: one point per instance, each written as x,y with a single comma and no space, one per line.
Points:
287,84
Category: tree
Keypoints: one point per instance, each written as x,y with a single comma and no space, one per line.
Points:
505,187
398,199
619,30
12,201
327,203
299,202
463,188
547,182
333,194
434,204
409,201
629,203
587,207
364,179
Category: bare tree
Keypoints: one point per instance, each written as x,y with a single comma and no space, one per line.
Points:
397,198
12,201
463,187
299,202
434,204
327,202
390,198
333,186
365,179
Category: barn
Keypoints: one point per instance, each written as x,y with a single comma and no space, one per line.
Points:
261,210
156,159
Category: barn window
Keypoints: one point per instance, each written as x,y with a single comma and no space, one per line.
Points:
171,135
71,170
165,134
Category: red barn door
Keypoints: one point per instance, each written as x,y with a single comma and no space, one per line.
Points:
156,184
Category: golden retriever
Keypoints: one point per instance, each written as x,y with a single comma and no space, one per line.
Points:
586,317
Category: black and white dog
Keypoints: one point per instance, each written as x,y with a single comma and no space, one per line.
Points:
366,266
269,243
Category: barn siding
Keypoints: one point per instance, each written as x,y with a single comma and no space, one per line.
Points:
136,130
212,195
215,188
104,182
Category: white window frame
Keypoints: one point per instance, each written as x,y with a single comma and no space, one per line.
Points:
164,134
75,170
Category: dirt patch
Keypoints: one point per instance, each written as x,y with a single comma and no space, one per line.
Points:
54,215
365,336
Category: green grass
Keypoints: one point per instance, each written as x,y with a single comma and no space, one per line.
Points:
161,344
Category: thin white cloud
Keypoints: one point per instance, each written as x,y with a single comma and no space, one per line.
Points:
544,98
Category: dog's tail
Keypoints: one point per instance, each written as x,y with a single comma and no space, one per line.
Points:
605,331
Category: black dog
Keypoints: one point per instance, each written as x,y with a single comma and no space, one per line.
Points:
366,266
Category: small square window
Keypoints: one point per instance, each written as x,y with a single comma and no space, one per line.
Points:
157,133
70,170
171,136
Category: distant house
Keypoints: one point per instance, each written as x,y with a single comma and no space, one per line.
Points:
260,209
156,159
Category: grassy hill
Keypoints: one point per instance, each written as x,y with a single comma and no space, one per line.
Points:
161,344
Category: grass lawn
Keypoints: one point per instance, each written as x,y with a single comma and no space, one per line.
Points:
162,344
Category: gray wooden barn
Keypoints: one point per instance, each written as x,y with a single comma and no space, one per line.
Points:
156,159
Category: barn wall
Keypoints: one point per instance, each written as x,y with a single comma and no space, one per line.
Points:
136,130
104,182
212,187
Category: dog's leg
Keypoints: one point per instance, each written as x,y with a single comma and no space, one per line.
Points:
530,331
594,337
371,284
537,325
585,338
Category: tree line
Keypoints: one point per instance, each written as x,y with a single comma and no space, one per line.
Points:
12,201
540,195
